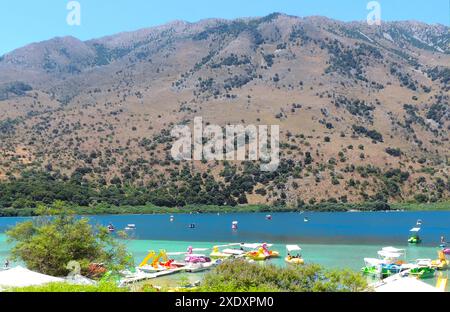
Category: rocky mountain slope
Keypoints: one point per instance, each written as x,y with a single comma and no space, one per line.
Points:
364,110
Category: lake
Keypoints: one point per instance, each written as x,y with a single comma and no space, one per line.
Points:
334,240
323,228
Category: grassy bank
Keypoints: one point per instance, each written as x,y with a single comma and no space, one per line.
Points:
68,288
441,206
103,209
147,209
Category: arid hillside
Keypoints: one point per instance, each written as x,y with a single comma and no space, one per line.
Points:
363,110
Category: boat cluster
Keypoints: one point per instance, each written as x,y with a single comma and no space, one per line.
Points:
392,261
253,252
197,260
257,252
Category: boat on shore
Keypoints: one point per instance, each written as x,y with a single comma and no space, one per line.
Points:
227,252
441,263
423,272
200,267
389,263
217,254
261,252
157,265
154,263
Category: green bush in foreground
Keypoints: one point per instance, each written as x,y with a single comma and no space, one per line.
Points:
49,243
241,276
64,287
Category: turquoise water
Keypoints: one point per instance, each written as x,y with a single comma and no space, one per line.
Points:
330,256
334,240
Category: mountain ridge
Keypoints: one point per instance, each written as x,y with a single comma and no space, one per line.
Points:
363,109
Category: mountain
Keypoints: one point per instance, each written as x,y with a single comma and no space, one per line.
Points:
363,110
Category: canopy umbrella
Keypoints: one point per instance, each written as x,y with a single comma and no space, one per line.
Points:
291,248
393,250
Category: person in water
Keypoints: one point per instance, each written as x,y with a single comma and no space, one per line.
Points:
443,242
6,264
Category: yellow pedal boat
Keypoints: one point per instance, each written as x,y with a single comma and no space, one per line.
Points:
256,256
297,260
263,253
274,254
294,261
217,254
442,263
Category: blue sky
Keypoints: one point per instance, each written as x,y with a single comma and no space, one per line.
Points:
26,21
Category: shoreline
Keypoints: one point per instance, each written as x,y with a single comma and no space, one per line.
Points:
102,209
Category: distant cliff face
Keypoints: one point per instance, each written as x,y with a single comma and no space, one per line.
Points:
363,110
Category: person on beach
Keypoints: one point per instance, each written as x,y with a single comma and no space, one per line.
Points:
6,264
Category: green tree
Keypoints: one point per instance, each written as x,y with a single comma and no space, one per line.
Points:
49,242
